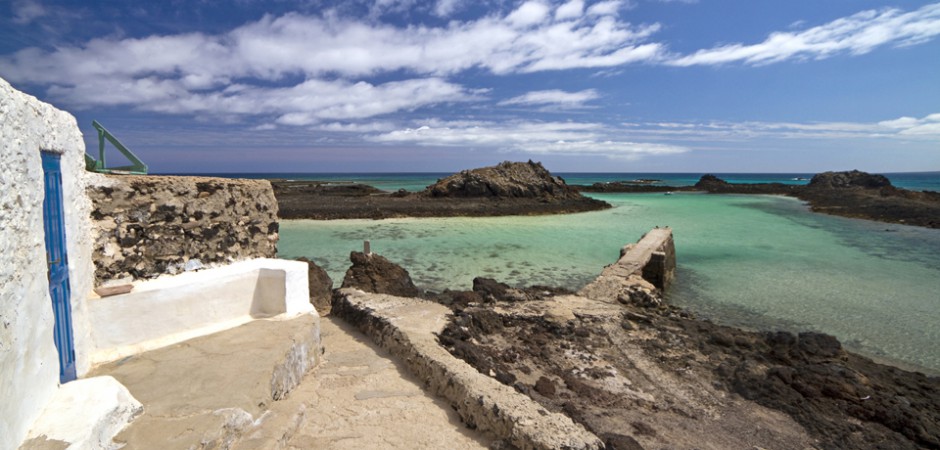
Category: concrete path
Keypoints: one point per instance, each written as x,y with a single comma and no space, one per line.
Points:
218,392
209,391
360,398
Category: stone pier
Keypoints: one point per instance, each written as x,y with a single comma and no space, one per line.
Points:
645,268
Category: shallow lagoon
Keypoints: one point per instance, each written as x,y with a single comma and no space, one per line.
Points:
754,261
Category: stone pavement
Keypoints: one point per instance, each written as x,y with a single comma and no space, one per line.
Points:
219,392
360,398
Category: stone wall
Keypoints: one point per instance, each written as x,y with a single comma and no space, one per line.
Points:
29,369
146,226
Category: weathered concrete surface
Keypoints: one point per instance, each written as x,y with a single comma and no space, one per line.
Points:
642,272
406,327
360,398
146,226
84,414
209,391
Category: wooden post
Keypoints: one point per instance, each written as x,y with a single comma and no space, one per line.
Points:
366,248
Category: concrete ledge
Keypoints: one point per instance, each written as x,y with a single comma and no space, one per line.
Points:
406,328
84,414
175,308
211,391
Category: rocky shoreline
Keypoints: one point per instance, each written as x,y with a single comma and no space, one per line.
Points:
639,373
505,189
852,194
529,189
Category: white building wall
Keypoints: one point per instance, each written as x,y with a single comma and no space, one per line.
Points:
29,369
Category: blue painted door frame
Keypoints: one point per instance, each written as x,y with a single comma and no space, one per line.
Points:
57,259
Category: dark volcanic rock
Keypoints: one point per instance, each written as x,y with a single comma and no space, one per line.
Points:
321,287
506,180
374,273
710,182
843,400
715,185
867,196
844,180
849,194
503,190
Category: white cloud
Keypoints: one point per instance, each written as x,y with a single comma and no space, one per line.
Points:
528,14
303,104
605,8
232,72
444,8
554,97
928,126
274,47
908,128
350,127
26,11
856,34
568,138
571,10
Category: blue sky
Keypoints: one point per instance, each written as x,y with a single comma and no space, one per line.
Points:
406,85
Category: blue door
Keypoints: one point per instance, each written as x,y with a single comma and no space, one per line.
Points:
57,258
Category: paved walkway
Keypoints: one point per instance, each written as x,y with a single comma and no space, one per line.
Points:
215,392
360,398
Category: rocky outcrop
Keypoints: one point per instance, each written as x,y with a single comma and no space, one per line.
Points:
374,273
502,190
146,226
715,185
851,194
505,180
848,180
867,196
321,287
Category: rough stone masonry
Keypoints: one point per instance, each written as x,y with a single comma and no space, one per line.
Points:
146,226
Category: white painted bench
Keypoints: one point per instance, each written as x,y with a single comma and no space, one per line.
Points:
174,308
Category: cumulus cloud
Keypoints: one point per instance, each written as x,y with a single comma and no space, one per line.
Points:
856,34
553,98
567,138
303,104
524,40
233,72
302,70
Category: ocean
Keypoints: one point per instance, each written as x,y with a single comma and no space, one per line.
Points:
758,262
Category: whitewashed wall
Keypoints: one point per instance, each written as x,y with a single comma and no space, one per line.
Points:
29,369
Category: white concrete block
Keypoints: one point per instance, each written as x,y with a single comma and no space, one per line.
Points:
87,414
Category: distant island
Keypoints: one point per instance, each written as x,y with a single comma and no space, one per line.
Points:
509,188
850,194
527,188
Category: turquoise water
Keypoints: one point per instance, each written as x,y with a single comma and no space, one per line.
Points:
754,261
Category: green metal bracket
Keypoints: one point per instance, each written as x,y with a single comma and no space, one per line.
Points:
137,166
